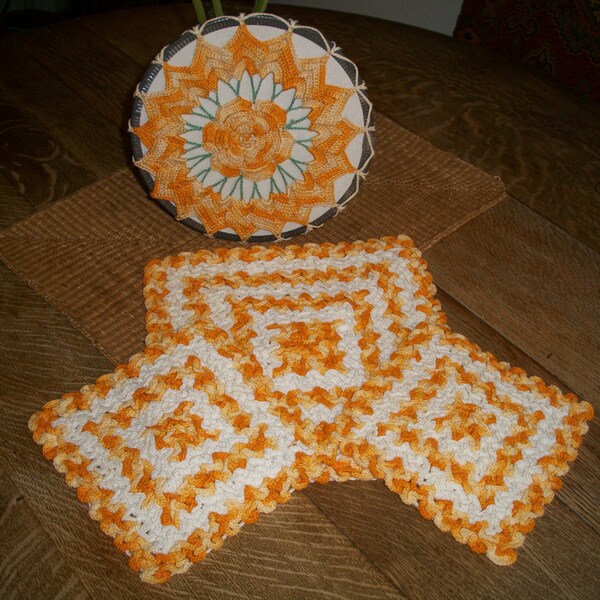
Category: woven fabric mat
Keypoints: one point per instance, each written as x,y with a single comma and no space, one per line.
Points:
86,253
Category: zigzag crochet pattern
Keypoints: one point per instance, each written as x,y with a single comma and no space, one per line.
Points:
268,368
252,128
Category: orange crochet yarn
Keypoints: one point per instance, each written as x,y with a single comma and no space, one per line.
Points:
253,128
267,368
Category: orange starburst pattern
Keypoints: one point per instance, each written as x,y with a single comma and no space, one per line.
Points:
179,430
255,137
466,420
306,346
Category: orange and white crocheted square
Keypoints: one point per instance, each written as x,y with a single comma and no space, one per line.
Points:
269,368
476,445
172,453
308,326
341,339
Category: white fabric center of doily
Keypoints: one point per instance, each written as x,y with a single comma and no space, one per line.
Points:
248,140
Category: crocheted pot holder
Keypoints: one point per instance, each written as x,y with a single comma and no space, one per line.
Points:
300,364
476,445
467,420
252,128
309,326
172,454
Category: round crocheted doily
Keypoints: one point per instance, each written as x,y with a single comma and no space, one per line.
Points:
252,128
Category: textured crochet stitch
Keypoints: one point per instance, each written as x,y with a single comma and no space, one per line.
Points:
267,368
253,128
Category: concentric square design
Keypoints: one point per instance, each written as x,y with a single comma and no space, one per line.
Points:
358,302
193,287
292,338
268,368
172,453
309,345
476,445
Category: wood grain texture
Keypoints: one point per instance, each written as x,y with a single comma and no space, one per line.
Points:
427,564
540,138
294,552
35,161
13,206
535,284
165,26
96,70
86,135
30,566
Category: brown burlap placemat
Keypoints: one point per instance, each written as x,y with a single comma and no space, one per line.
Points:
86,254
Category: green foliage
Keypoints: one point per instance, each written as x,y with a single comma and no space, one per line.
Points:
259,6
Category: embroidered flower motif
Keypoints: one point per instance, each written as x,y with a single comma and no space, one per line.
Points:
262,130
249,139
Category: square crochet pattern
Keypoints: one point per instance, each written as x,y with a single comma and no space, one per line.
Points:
268,368
477,446
309,326
172,454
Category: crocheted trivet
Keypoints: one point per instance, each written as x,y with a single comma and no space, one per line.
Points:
172,453
309,326
476,445
252,128
267,368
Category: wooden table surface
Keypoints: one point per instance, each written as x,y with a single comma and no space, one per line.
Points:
520,280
